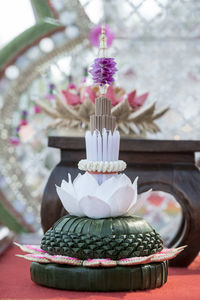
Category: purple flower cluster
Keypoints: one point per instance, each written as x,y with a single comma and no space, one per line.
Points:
103,70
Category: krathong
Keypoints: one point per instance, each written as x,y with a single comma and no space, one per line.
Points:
100,238
72,109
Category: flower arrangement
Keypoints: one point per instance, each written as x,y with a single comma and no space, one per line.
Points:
73,106
100,228
77,103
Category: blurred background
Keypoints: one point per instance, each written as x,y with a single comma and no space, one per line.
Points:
46,49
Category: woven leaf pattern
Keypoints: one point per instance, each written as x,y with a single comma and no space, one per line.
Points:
84,246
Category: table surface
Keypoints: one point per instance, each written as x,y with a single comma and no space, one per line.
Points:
15,283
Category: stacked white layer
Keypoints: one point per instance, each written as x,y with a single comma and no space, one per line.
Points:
102,147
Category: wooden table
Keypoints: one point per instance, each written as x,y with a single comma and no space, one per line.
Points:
161,165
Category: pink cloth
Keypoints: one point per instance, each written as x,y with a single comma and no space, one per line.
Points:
15,283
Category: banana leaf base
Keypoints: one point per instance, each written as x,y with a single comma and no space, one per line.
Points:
101,279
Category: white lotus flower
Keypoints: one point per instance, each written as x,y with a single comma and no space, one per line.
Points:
116,196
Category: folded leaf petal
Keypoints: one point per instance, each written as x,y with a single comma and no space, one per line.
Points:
94,207
69,202
134,186
140,202
121,200
68,187
85,185
107,188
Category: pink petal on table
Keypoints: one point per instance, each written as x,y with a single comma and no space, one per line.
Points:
94,207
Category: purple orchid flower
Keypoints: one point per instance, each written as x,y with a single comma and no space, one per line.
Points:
103,70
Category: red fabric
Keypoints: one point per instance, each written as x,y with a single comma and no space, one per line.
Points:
15,283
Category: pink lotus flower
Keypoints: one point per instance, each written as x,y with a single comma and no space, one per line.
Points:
115,94
92,92
136,101
74,96
103,70
71,98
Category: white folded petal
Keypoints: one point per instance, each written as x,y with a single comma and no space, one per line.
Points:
94,207
135,188
140,202
121,200
64,185
69,202
123,179
85,185
134,200
68,187
85,197
135,184
74,182
107,188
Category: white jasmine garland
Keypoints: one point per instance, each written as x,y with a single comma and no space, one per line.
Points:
102,166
